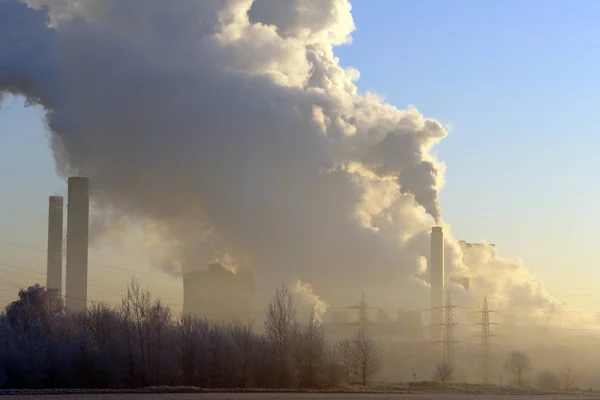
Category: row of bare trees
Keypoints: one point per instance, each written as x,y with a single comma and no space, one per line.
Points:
518,365
304,356
139,343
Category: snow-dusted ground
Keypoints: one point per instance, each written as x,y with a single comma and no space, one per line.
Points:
296,396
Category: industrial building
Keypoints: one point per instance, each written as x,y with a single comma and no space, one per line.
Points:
466,246
407,327
54,263
78,212
436,268
218,293
343,323
462,281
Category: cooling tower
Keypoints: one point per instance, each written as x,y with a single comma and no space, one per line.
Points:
436,266
78,213
55,243
217,293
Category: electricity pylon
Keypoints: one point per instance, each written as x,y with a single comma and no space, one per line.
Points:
485,341
486,352
448,327
448,356
362,308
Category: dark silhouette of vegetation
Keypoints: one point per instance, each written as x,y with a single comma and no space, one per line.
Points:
139,343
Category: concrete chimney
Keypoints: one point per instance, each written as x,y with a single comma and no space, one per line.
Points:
436,267
55,243
78,214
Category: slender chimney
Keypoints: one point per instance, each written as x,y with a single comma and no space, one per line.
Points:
78,212
436,266
55,243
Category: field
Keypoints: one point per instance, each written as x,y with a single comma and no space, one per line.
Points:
297,396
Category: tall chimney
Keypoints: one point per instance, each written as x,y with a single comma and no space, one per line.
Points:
436,266
55,242
78,213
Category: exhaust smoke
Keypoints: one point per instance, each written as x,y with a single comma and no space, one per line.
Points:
228,129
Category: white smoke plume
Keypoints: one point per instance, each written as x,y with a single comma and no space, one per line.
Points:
228,128
305,291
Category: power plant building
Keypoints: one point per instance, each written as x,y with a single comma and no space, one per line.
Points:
78,213
406,328
436,268
54,263
463,281
218,293
489,247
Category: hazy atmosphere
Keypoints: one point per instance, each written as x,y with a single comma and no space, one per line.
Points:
313,146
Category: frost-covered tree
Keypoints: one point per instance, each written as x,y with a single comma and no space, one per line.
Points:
444,372
518,365
280,326
138,343
245,341
569,375
309,340
346,353
367,359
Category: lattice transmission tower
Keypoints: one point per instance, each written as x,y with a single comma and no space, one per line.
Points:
363,320
448,356
486,346
485,341
448,341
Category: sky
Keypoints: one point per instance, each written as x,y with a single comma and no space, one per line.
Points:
517,83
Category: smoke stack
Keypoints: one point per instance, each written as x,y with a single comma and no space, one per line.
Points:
55,243
436,266
78,212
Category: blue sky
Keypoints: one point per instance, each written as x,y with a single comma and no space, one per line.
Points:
519,83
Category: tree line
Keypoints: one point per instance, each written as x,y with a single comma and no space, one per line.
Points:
519,367
139,343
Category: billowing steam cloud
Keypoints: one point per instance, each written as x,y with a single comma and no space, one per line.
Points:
318,306
228,128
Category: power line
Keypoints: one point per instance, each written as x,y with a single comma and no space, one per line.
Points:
105,288
101,264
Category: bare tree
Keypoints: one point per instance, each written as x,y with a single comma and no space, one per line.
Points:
568,375
444,372
222,357
279,325
243,336
332,360
310,352
548,380
159,318
99,322
367,359
346,353
188,332
126,330
518,365
138,301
